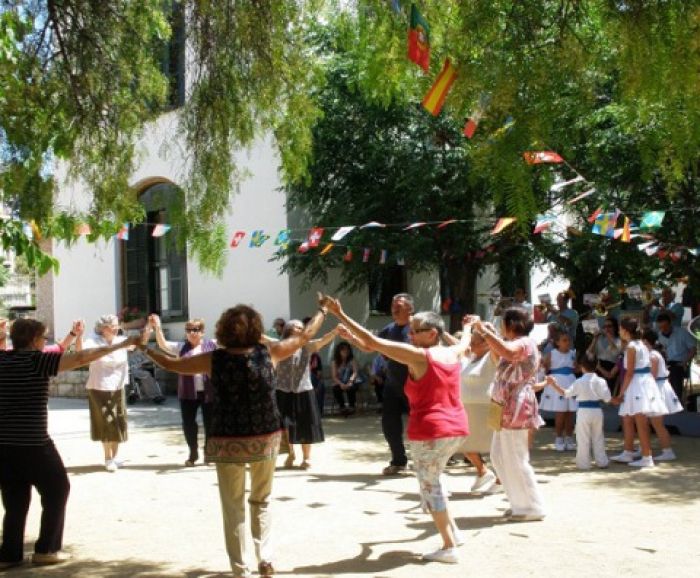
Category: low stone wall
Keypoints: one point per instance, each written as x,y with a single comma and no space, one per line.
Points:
69,384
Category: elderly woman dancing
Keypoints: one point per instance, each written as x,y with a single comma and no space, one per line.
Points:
437,423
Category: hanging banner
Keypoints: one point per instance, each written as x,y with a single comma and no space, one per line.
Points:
501,224
583,195
341,233
282,239
237,238
435,98
314,236
160,230
326,249
419,39
257,239
123,233
540,157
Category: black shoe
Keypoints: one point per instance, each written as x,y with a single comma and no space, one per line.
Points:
159,399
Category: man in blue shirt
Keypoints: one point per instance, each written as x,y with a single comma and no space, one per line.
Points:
564,316
668,304
680,348
395,403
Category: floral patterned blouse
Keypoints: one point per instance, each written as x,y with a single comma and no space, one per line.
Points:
512,386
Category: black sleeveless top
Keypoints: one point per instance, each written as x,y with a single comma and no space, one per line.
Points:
244,401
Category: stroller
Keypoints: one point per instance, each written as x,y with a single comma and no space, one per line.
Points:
142,382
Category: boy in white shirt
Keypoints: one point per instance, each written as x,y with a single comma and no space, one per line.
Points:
590,390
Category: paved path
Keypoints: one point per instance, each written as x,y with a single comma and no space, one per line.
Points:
157,518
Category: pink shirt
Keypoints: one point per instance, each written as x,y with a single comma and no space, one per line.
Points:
435,402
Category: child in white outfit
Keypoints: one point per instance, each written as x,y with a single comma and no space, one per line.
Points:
589,390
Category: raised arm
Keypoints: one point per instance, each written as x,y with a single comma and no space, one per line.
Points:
193,365
497,345
280,350
317,344
154,322
404,353
79,358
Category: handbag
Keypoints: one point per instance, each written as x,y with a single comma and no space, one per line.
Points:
495,415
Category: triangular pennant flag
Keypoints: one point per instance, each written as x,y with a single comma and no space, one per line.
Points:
304,247
419,39
694,252
160,230
326,249
237,238
348,256
583,195
555,188
257,239
652,219
282,239
435,98
501,224
540,157
445,223
314,236
372,225
651,250
676,255
400,261
470,127
644,246
365,255
82,229
617,234
543,223
414,226
595,214
341,233
123,233
626,235
382,257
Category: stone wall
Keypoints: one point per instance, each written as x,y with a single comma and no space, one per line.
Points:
69,384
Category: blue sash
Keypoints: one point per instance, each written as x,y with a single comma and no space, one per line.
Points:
562,371
591,404
661,380
642,370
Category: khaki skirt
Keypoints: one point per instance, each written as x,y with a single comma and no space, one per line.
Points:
107,415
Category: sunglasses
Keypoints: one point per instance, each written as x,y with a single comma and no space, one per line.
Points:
192,330
411,330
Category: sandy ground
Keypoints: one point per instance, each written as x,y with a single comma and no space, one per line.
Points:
342,518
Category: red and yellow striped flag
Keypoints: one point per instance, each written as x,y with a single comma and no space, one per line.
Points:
626,236
435,98
501,224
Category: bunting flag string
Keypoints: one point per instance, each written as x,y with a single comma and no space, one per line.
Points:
160,229
435,98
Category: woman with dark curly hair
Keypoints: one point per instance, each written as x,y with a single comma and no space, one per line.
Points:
346,378
246,425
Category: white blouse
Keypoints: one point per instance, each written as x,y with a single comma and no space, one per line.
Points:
111,372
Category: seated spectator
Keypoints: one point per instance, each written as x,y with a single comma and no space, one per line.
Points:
346,378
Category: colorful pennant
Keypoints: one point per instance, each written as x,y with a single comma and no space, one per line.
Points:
652,219
435,98
326,249
365,254
543,223
419,39
159,230
583,195
382,257
123,233
82,229
237,238
314,237
282,239
501,224
555,188
605,224
414,226
258,238
373,225
341,233
540,157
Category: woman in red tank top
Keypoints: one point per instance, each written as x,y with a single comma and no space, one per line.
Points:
437,423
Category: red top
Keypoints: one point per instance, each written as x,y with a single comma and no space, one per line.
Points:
435,402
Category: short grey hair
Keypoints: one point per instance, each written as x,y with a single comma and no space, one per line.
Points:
105,321
406,297
430,320
289,325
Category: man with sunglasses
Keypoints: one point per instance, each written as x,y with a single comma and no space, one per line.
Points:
193,391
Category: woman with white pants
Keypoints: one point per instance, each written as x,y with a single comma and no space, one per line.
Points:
513,392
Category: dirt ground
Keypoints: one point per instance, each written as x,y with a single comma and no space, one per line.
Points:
155,517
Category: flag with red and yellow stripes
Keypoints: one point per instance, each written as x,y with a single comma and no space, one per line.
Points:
435,98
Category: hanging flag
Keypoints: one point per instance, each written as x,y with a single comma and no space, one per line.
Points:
419,39
605,224
348,256
341,233
123,233
400,261
365,255
505,129
556,187
414,226
382,257
445,223
160,230
594,215
36,232
237,238
396,6
543,223
28,231
645,246
326,249
540,157
694,252
626,236
652,219
304,247
82,229
501,224
470,127
583,195
257,239
435,98
372,225
314,236
282,239
650,251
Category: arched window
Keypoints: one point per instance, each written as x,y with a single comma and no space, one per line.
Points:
154,270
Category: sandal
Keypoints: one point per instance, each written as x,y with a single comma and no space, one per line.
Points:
289,463
266,570
189,463
305,465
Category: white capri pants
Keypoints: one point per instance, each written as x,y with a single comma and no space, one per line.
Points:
429,460
511,458
590,436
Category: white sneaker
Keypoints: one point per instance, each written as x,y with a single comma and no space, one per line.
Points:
643,462
667,455
559,444
625,457
569,444
497,488
111,466
458,536
484,483
446,556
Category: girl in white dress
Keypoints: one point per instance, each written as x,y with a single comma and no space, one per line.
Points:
560,364
639,396
660,373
